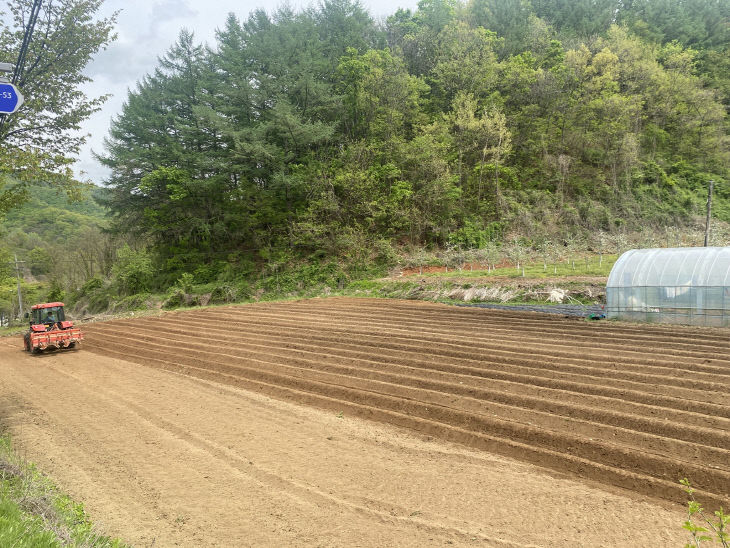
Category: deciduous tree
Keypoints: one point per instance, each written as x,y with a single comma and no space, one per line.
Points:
42,140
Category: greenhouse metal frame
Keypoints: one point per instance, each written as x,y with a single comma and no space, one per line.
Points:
686,285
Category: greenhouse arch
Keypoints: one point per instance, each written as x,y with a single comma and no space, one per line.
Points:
688,285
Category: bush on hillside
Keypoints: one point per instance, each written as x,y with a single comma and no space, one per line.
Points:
134,271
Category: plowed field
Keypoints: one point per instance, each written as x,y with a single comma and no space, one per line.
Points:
183,450
635,407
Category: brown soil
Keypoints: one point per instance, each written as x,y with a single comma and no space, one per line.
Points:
191,450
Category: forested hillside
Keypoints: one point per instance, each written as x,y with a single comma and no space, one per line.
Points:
325,134
60,243
49,217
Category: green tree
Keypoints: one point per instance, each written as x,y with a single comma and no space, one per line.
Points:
465,63
381,99
344,24
280,145
133,271
693,23
168,181
415,34
509,19
40,261
496,141
6,269
41,140
578,18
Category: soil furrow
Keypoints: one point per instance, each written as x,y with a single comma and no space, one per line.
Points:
666,375
459,383
703,401
430,419
525,319
634,407
595,338
431,407
486,341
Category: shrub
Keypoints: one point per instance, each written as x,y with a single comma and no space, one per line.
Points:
185,282
56,292
133,271
92,285
224,293
175,299
140,301
99,303
471,235
384,253
718,528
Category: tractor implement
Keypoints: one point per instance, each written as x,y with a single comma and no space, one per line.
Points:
50,329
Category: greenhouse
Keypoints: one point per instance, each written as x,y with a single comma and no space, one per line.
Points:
688,285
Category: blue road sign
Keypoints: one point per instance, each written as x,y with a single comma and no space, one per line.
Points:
10,98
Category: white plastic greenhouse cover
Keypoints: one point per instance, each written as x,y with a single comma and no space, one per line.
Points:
682,266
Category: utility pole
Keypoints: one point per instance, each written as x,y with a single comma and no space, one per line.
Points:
709,210
20,296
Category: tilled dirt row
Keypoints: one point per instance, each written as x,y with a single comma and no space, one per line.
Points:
507,335
666,372
666,335
444,382
636,407
166,459
386,346
715,360
380,361
404,307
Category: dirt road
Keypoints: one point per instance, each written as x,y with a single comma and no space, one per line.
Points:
158,431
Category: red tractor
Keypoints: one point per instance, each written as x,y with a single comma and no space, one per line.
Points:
50,329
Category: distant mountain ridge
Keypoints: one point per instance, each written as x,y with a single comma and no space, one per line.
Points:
51,216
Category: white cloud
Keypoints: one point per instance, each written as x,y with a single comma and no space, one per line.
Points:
146,30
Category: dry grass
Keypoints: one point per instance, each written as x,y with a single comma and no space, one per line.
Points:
492,293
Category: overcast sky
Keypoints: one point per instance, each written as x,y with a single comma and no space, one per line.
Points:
146,29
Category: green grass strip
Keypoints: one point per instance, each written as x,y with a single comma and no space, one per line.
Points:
35,514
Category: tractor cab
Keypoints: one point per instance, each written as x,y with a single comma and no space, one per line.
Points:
47,314
50,329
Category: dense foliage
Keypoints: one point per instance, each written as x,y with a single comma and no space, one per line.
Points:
58,242
39,143
323,135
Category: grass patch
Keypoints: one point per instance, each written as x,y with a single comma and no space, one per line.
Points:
580,266
12,330
34,513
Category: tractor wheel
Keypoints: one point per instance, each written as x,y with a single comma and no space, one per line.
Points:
26,344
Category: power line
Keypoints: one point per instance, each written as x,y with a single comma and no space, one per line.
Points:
20,65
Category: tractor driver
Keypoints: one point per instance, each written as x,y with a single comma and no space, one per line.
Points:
50,318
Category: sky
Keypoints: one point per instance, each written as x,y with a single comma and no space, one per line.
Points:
146,29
